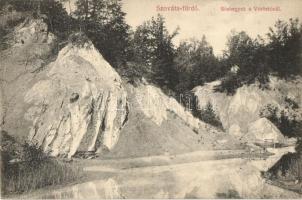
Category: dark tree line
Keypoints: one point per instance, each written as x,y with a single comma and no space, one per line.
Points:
280,54
193,62
148,51
196,64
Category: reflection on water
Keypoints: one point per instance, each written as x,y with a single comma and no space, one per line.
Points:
229,178
93,190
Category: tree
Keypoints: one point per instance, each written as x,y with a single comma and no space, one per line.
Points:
58,20
284,48
250,55
55,14
240,51
104,23
143,49
184,66
196,64
154,51
209,116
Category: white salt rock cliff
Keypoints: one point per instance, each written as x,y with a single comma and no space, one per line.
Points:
80,106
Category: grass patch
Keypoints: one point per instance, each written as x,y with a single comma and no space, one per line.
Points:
24,177
27,168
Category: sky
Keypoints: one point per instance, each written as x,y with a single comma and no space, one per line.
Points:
209,20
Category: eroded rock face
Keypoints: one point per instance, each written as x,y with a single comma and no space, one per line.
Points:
156,105
219,101
23,63
80,106
238,113
32,31
263,129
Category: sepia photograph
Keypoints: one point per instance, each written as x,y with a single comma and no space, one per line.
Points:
151,99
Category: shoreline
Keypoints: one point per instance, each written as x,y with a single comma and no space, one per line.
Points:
99,169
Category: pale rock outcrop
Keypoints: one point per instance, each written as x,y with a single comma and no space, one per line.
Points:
80,106
219,101
244,107
156,105
32,31
23,63
265,130
237,112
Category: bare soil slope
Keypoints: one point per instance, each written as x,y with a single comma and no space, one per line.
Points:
142,136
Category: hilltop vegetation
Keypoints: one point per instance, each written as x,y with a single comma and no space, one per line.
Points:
149,51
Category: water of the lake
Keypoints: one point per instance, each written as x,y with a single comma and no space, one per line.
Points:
227,178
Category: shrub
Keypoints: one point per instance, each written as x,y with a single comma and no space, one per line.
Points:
270,112
79,39
288,168
32,153
291,103
232,81
229,84
299,145
132,72
286,120
31,169
290,127
230,194
208,115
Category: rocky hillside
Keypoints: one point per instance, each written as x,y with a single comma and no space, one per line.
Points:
158,124
30,50
76,102
67,105
242,114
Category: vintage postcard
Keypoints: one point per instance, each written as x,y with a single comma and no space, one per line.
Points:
151,99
